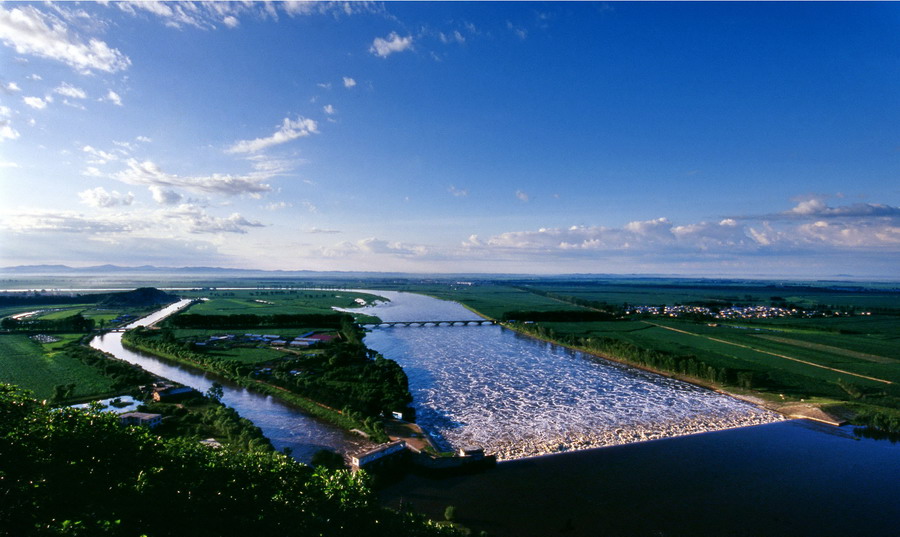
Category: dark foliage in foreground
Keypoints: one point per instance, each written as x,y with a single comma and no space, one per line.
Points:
74,472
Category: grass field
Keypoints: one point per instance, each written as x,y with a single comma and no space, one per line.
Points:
26,363
272,302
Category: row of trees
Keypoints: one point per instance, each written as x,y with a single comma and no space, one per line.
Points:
250,321
79,473
72,324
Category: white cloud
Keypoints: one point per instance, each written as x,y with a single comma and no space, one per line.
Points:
289,130
69,90
30,31
91,171
13,87
454,37
34,76
8,164
147,173
164,196
458,192
114,98
374,246
349,82
278,206
36,102
67,222
817,208
394,43
231,21
5,111
329,109
522,33
99,156
196,220
7,132
143,139
99,197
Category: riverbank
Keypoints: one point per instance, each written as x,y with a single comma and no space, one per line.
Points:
765,401
308,406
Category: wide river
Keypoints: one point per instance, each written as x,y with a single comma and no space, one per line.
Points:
517,396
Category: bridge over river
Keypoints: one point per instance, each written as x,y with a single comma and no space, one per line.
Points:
468,322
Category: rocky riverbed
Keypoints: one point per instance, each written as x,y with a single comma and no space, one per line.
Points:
538,445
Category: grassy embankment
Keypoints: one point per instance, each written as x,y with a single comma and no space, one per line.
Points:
847,365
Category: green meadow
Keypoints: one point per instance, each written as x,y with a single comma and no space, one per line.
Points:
32,366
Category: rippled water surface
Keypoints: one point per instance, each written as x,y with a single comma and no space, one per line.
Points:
515,396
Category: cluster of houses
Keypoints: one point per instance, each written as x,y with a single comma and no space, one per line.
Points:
123,319
306,340
734,312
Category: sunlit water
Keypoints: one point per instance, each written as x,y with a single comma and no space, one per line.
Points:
284,425
516,396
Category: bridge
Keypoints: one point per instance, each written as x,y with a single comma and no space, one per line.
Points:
469,322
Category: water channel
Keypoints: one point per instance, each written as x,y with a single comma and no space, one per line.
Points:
285,425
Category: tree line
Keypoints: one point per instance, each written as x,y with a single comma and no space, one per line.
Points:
249,321
79,473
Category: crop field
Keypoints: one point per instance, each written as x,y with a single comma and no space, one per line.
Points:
272,302
801,363
25,363
656,292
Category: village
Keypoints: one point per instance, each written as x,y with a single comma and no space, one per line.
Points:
733,312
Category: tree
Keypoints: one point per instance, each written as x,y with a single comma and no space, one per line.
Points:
215,392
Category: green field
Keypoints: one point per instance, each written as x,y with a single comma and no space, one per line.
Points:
28,364
274,301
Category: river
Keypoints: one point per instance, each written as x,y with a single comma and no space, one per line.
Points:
516,396
286,426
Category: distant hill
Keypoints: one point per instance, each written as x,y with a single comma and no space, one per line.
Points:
144,296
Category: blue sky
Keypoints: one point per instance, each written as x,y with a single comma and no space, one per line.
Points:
732,139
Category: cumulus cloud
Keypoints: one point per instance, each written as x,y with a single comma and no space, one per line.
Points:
99,197
147,173
349,82
36,102
329,109
164,196
231,21
817,208
113,97
454,37
30,31
384,47
7,132
69,90
287,131
12,87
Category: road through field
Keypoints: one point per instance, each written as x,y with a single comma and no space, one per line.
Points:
770,353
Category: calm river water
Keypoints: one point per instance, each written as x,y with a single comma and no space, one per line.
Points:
284,425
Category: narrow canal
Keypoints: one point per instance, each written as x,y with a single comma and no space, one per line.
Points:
284,425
